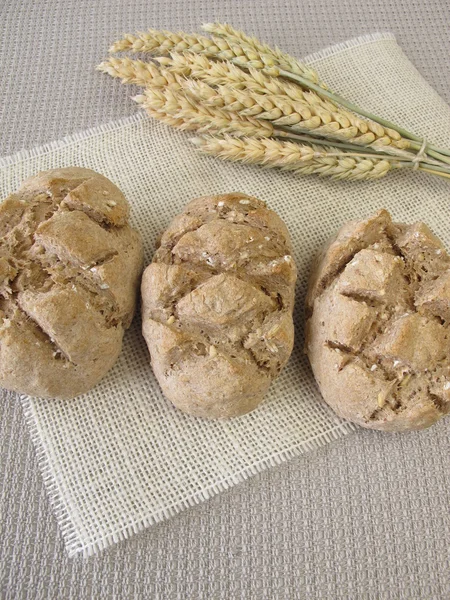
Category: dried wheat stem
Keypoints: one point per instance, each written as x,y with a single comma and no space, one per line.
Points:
179,110
293,157
282,59
412,140
405,157
435,172
149,74
291,66
247,57
258,101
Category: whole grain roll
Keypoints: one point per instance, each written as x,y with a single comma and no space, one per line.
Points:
377,332
69,270
217,305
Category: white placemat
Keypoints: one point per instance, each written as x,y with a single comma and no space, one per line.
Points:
120,458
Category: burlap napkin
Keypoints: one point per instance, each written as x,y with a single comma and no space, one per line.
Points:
120,458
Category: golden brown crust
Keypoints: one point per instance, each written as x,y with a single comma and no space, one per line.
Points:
217,305
377,333
69,269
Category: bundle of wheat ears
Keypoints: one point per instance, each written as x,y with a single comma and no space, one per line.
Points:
256,104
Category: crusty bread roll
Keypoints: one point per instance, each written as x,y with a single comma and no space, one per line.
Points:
69,270
377,332
217,305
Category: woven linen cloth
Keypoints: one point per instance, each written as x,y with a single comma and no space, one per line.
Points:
120,457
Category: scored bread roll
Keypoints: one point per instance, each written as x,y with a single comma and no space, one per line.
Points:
377,332
69,270
217,305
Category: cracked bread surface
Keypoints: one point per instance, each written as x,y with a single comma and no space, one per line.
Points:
378,324
69,272
217,304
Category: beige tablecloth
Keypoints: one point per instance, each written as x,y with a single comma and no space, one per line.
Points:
366,517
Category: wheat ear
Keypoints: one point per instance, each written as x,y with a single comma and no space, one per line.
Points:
225,73
162,43
281,111
288,115
332,118
289,156
138,72
179,110
282,59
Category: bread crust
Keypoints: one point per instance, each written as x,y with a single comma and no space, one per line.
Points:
69,272
217,305
377,330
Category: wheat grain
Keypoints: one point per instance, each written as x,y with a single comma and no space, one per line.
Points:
282,59
289,156
179,110
229,44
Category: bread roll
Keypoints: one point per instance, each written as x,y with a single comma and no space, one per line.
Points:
69,270
377,333
217,305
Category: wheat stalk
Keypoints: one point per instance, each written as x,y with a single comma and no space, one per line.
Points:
245,56
234,84
288,156
179,110
282,59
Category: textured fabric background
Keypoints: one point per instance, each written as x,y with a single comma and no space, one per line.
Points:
364,518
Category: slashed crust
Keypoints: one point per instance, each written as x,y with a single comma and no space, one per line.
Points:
69,269
377,331
217,305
